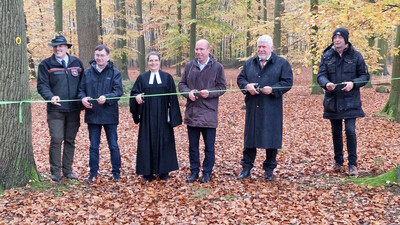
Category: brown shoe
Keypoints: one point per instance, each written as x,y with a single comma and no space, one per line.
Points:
337,168
353,171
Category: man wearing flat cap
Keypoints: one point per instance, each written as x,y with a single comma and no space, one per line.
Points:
58,81
342,72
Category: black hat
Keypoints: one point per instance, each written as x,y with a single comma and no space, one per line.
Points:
342,32
59,40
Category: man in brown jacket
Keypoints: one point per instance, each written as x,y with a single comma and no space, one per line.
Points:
203,81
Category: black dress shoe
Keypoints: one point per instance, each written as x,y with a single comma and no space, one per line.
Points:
164,176
71,176
91,178
116,177
148,178
205,178
244,174
269,176
56,177
193,177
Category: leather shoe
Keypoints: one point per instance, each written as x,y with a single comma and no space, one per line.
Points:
116,177
71,176
56,177
205,178
164,176
269,175
244,174
148,178
91,178
193,177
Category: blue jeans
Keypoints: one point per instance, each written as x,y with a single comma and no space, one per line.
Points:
112,139
337,136
209,142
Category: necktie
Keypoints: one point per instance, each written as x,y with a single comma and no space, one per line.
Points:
262,63
64,64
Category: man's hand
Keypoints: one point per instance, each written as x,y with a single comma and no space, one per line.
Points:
192,96
330,86
86,103
54,100
250,87
204,93
267,90
101,100
139,98
348,87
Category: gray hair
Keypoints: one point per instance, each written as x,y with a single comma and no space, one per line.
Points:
153,53
265,38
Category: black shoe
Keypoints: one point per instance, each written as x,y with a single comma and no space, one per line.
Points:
148,178
164,176
244,174
56,177
91,178
116,177
205,178
193,177
71,176
269,175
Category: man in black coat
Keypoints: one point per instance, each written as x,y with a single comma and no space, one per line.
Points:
264,79
58,79
342,72
100,90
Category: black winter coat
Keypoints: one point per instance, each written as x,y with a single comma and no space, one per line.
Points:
95,84
333,68
264,113
54,80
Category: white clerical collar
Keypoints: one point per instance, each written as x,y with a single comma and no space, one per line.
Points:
158,78
203,65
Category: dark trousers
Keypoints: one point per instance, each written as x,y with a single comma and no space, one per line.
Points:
112,139
249,155
337,136
63,127
209,142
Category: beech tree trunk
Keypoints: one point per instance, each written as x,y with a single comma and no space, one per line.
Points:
315,89
277,26
193,7
17,165
120,26
58,15
392,107
179,57
87,29
141,44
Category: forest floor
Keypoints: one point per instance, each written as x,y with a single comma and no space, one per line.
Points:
304,191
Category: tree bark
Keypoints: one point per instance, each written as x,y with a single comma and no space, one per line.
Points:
383,48
249,50
277,26
17,165
58,14
86,19
141,44
315,88
179,57
192,28
100,23
392,107
122,59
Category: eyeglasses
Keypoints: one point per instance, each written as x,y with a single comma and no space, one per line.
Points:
100,56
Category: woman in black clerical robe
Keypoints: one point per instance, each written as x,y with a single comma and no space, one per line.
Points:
157,113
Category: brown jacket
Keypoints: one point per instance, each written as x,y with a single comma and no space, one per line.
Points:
203,112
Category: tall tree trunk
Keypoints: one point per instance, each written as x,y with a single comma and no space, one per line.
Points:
277,26
58,15
315,89
249,51
141,46
100,23
265,10
17,165
151,32
31,62
392,107
179,57
122,59
86,20
193,7
383,47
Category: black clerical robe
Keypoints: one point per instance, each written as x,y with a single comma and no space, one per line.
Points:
157,116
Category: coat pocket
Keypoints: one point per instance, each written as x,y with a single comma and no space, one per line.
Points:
329,102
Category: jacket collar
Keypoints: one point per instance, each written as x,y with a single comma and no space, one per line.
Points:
271,59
